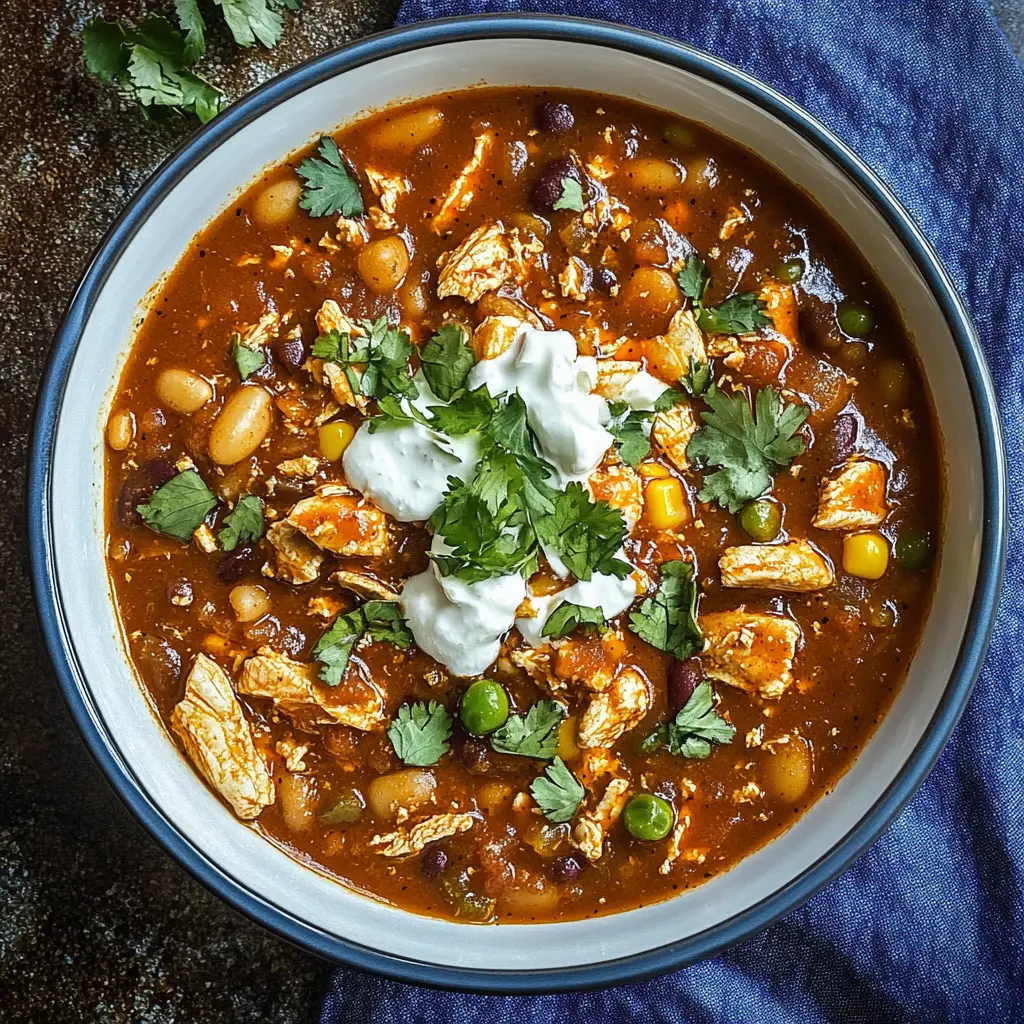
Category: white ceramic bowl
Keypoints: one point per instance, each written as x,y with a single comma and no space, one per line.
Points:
68,530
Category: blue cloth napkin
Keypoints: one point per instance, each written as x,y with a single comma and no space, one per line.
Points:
929,924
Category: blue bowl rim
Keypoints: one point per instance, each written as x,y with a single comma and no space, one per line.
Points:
651,962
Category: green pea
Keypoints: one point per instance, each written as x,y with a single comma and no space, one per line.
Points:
484,707
680,135
761,520
913,549
791,270
648,816
855,319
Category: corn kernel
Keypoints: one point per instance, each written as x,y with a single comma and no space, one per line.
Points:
567,748
665,503
866,555
650,470
335,438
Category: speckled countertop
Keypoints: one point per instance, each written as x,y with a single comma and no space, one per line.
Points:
97,924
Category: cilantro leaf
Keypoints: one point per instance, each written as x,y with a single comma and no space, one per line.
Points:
739,314
419,733
192,24
571,197
470,412
149,65
329,188
244,523
446,360
668,619
247,360
250,20
693,278
569,617
586,534
747,450
696,726
384,355
534,734
179,506
380,620
631,428
558,792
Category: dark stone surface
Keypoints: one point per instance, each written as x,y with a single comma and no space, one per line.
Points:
96,923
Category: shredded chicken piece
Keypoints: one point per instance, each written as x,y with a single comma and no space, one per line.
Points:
262,332
536,663
794,566
296,559
615,710
480,264
210,723
671,432
494,336
734,218
680,345
675,847
620,486
574,280
460,194
750,651
304,466
592,826
296,691
405,842
205,539
782,309
365,586
341,521
854,498
352,232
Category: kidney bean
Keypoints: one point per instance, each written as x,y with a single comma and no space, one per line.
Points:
290,352
683,678
235,564
157,661
474,756
565,869
842,437
131,495
159,471
556,118
547,186
433,861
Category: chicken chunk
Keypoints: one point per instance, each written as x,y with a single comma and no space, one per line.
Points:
480,264
494,336
404,843
460,192
854,498
296,559
296,692
261,333
592,826
794,566
675,844
751,651
672,431
365,586
537,664
210,723
352,232
303,467
782,309
734,218
619,485
573,280
329,317
388,188
341,521
682,343
615,710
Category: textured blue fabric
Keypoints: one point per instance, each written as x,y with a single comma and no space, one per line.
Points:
929,924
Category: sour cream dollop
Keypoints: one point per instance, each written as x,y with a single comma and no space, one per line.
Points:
612,595
542,367
403,468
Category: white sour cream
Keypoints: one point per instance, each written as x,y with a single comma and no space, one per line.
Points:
612,595
404,468
557,387
461,624
643,391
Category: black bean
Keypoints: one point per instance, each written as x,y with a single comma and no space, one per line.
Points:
290,352
556,118
433,861
604,280
547,186
235,564
159,471
683,678
132,494
842,437
565,869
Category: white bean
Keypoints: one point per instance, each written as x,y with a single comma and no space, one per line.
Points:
184,391
242,425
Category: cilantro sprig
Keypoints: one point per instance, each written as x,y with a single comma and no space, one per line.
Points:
446,360
586,534
567,618
383,356
329,187
558,792
247,360
696,727
534,734
738,314
179,506
631,429
379,620
419,733
668,619
244,523
748,445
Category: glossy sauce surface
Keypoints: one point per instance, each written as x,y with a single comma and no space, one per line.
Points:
865,396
